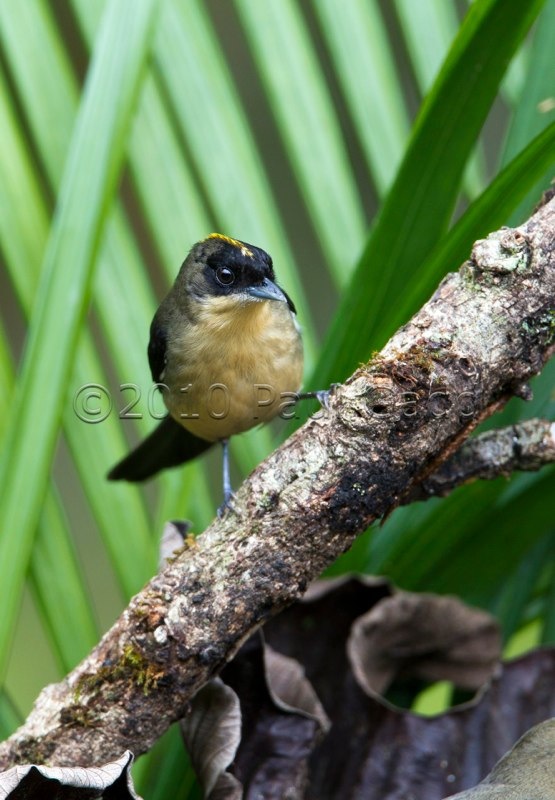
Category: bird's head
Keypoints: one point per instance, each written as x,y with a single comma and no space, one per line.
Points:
222,267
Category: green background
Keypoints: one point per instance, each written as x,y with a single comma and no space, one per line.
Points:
365,145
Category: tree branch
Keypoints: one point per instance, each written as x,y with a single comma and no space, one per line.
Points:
483,334
527,447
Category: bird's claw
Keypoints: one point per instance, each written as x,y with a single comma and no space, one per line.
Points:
227,506
322,395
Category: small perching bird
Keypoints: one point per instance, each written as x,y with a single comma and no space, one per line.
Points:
225,349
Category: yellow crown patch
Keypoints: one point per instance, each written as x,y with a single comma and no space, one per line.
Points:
233,242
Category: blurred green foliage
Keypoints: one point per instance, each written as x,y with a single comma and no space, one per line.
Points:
354,141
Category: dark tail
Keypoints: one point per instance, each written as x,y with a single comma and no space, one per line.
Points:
167,446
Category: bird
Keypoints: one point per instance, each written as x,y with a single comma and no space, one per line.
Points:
226,352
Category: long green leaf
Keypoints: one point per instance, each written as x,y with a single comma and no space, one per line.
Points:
429,27
509,531
165,189
168,772
418,208
169,195
55,577
23,215
43,74
548,632
487,213
308,124
518,589
72,628
358,42
535,108
10,718
92,169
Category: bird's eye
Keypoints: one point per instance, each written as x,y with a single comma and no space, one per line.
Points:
225,276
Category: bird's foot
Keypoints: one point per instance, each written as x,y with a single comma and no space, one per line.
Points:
227,505
322,395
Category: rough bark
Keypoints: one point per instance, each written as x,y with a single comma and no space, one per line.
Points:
527,446
486,331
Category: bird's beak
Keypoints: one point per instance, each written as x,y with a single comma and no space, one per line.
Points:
267,290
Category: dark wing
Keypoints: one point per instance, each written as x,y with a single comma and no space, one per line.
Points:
157,349
290,303
167,446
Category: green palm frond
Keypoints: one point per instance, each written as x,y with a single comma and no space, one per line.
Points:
131,130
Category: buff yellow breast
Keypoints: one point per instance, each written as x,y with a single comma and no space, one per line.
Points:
245,364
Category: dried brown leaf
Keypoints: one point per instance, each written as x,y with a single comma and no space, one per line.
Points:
373,750
290,689
272,707
378,752
31,782
423,636
212,732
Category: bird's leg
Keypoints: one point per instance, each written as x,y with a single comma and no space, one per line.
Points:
322,395
228,493
226,479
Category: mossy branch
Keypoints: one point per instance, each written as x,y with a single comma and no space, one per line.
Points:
485,332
